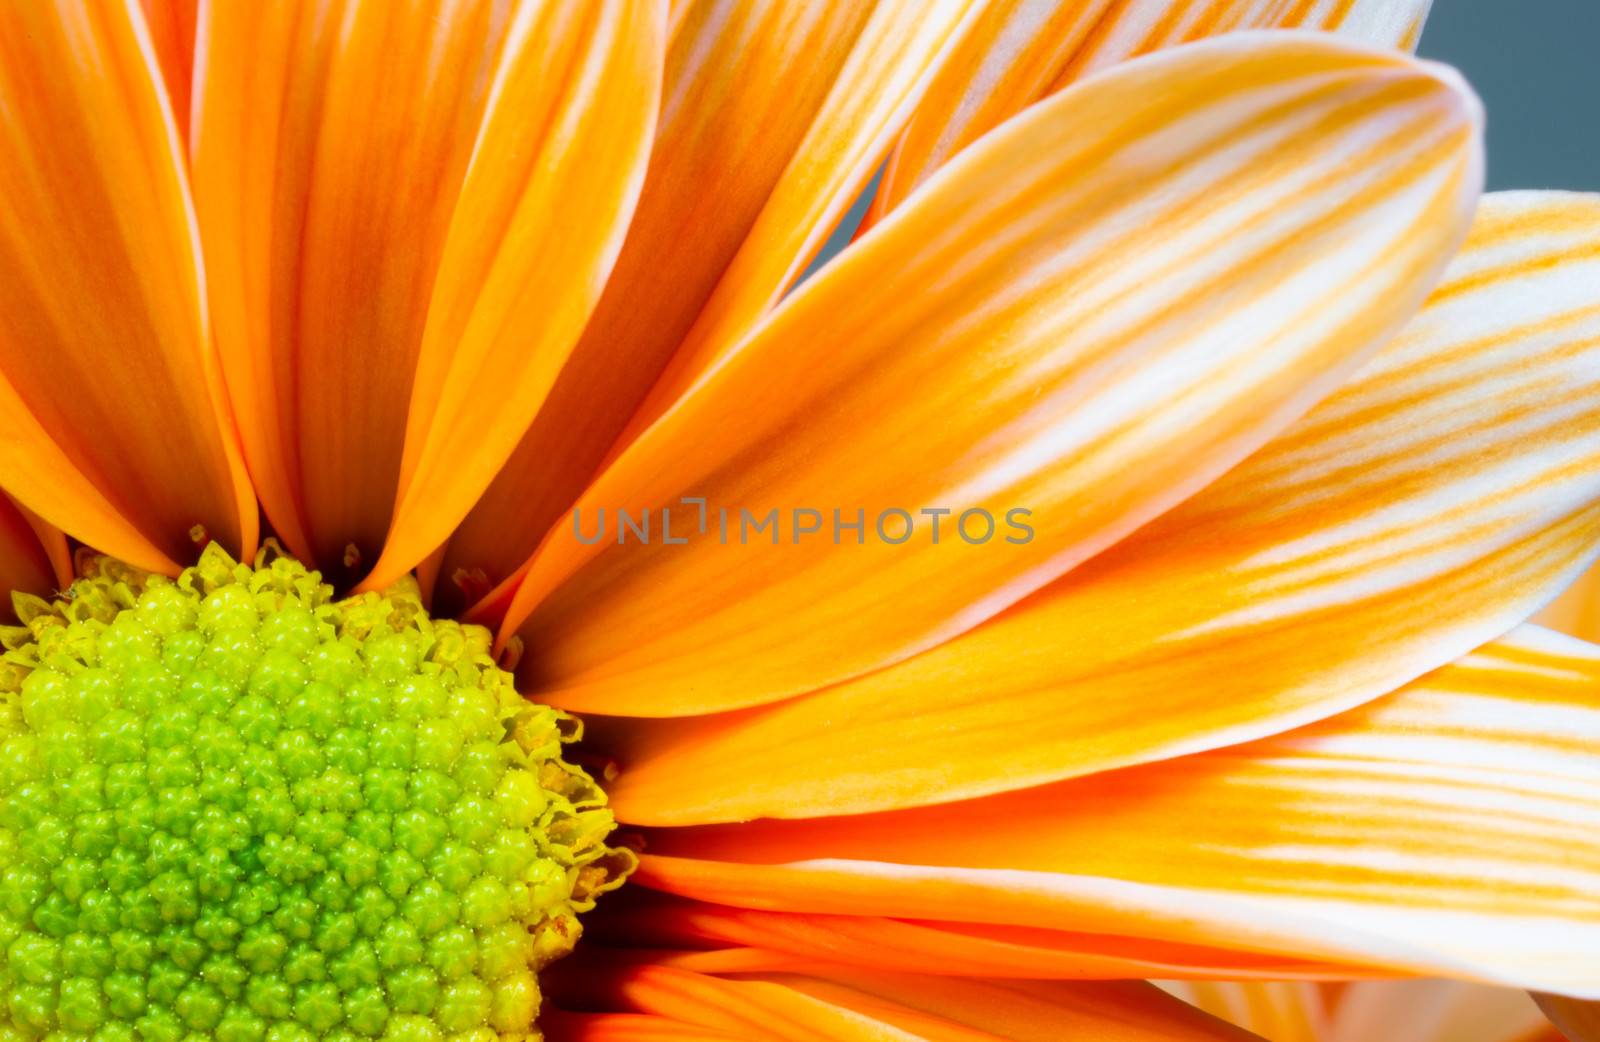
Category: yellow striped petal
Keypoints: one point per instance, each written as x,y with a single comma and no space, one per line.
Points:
1450,829
1089,317
1459,471
774,115
1024,50
113,423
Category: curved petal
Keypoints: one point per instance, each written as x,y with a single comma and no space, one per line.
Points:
1025,50
1452,829
556,172
1021,339
774,115
25,565
849,1005
1460,470
1578,1020
112,419
340,153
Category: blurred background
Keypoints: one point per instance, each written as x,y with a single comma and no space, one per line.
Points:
1535,64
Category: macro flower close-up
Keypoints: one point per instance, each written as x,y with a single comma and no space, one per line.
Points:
477,568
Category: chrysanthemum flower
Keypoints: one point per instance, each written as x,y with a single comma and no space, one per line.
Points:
1285,432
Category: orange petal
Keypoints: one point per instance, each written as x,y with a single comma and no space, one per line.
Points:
1579,1021
1459,471
871,1007
25,565
335,176
769,940
1450,829
1024,50
557,170
559,1026
111,407
966,341
172,32
774,115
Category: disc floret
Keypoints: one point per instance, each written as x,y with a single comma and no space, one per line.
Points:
234,808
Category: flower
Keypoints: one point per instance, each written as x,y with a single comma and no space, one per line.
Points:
1257,435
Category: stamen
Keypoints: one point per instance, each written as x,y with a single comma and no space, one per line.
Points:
233,808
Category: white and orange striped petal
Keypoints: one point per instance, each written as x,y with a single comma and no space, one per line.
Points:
1452,828
1022,51
1023,337
1461,469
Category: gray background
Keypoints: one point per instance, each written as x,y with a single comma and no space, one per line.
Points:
1535,64
1537,68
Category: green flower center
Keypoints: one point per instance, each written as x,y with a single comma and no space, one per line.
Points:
233,808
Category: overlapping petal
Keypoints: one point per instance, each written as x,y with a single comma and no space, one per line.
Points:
113,424
1022,337
382,186
1452,828
557,167
774,115
1461,467
1021,51
847,1006
772,940
173,25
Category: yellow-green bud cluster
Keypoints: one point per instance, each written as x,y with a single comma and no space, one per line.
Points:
235,809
